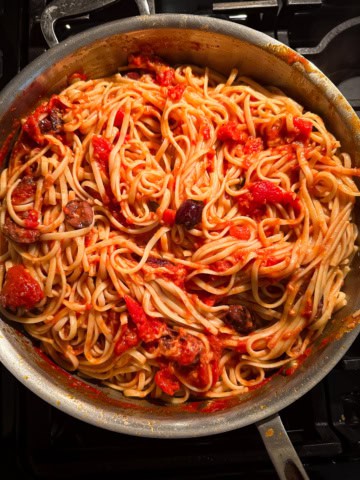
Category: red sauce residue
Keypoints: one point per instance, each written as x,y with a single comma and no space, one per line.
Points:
293,57
290,370
77,76
259,385
8,142
20,289
72,381
216,406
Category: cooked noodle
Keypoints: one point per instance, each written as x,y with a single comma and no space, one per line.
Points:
183,235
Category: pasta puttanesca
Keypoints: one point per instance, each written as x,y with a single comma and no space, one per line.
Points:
175,234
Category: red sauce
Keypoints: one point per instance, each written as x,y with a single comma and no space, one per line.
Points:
167,381
8,142
31,126
241,232
102,149
215,406
205,132
129,338
119,118
232,131
293,57
174,273
303,127
165,77
77,76
253,145
23,191
20,289
264,192
175,93
31,218
148,329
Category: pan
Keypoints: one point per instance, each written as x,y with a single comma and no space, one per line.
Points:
220,45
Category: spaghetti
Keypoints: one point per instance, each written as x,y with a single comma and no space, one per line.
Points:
174,234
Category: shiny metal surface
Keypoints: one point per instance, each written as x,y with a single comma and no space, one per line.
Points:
220,45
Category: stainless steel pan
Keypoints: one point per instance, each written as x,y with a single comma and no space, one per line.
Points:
220,45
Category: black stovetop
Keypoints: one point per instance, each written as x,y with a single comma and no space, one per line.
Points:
40,442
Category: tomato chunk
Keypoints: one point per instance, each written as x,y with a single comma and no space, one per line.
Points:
119,117
175,93
242,232
304,128
148,329
102,149
232,131
167,381
129,338
169,217
20,289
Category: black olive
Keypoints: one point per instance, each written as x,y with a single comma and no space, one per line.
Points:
153,206
240,319
189,213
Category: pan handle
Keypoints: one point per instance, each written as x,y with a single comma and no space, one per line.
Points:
65,8
280,449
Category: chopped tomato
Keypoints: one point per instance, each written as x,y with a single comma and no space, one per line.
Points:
102,149
129,338
242,232
264,192
165,77
253,145
175,93
20,289
304,128
232,131
271,260
167,381
148,329
31,218
119,117
169,217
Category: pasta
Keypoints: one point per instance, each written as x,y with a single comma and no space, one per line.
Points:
173,234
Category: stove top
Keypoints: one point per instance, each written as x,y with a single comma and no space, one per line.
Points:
41,442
